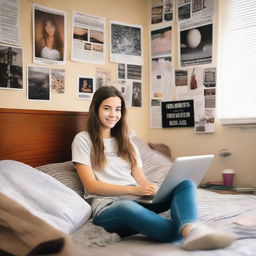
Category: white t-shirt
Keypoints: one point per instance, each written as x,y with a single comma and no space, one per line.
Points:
117,171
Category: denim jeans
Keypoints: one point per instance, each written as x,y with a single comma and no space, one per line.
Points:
126,217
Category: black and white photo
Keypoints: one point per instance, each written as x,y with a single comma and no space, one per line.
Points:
38,83
126,43
196,45
11,68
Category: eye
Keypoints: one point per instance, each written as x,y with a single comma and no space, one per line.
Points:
118,110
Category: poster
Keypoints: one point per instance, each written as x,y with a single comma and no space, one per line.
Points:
10,22
161,42
161,11
196,39
126,43
198,84
178,114
132,92
194,9
88,42
48,35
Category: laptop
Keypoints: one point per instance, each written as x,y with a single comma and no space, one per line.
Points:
184,168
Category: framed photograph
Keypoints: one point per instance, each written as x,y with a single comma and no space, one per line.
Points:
86,88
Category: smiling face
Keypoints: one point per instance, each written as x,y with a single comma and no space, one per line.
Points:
109,114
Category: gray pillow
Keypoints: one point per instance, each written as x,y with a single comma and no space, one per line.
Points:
155,164
65,173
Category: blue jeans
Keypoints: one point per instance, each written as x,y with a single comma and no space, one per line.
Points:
126,217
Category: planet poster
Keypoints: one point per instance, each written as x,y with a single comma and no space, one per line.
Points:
196,44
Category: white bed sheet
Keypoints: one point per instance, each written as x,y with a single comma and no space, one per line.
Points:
219,210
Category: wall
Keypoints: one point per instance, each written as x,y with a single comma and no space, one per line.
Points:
183,141
132,12
239,140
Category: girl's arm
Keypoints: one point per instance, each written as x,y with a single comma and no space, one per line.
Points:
139,175
93,186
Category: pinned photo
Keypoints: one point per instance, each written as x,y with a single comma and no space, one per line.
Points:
11,70
38,83
85,88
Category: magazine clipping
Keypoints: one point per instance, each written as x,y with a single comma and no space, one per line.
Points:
161,11
10,22
58,80
198,84
194,9
88,41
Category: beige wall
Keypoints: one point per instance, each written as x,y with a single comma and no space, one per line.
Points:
132,12
240,141
183,141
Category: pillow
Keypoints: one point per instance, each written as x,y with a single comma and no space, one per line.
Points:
43,196
162,148
155,164
65,173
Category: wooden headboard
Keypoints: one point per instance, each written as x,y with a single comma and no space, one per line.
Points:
38,137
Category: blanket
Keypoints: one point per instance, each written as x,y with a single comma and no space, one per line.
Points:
22,233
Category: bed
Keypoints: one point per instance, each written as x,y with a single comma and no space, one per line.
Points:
38,141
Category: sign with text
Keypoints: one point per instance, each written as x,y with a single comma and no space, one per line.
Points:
178,114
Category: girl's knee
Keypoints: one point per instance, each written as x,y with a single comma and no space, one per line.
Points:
186,184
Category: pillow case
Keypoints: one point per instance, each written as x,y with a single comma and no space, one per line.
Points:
155,164
43,196
65,173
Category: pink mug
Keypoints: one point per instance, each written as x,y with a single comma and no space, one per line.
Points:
228,177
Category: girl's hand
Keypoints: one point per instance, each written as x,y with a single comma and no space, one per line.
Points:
145,190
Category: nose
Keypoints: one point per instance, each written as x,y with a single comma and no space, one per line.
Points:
112,112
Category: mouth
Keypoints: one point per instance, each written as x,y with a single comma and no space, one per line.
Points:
112,121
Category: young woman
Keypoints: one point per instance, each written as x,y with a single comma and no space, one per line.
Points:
109,165
51,44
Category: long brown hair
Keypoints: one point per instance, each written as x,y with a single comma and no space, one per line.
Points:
58,44
119,131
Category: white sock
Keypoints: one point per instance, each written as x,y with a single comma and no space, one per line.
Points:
203,237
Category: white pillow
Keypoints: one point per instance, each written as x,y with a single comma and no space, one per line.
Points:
43,196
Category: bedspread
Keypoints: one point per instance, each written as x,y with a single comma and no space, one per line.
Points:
219,210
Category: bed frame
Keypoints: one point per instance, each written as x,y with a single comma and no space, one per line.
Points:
38,137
